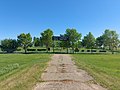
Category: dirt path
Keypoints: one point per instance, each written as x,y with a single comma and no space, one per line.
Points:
62,74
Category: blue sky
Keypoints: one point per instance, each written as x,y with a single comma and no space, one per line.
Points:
35,16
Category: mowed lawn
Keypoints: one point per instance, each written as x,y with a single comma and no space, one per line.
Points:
21,71
104,68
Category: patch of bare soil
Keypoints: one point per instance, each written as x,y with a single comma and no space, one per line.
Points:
62,74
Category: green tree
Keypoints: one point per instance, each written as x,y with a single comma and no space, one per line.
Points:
111,39
74,37
25,40
65,44
46,37
89,41
9,45
41,42
36,41
99,42
106,38
78,44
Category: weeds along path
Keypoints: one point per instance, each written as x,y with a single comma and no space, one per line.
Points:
62,74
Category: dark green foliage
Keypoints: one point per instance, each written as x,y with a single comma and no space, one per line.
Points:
88,41
82,50
9,45
31,49
48,49
88,50
18,49
65,44
76,50
46,38
108,41
78,44
99,42
74,37
102,51
93,50
36,41
41,49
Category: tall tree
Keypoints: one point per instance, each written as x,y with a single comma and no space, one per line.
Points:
106,38
25,40
78,44
74,37
111,39
46,37
89,41
65,44
99,42
36,41
9,45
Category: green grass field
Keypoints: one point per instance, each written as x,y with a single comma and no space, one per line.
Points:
21,71
104,68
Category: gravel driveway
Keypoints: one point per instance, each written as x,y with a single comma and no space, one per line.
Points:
62,74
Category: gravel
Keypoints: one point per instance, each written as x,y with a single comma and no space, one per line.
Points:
63,74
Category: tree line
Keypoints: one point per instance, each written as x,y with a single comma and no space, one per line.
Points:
108,40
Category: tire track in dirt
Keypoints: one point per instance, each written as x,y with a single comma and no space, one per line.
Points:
62,74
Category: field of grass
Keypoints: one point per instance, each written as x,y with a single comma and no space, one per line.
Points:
104,68
21,71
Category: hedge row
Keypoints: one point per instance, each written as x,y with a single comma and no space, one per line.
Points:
36,49
41,49
76,50
32,49
91,51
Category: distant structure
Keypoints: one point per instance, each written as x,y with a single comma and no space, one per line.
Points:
60,38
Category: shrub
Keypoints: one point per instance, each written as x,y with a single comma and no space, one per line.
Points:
82,50
93,50
48,49
41,49
102,51
88,50
76,50
18,49
31,49
9,45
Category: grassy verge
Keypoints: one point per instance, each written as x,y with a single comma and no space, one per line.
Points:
20,71
104,68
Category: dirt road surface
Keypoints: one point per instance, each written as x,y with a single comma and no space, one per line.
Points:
63,74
